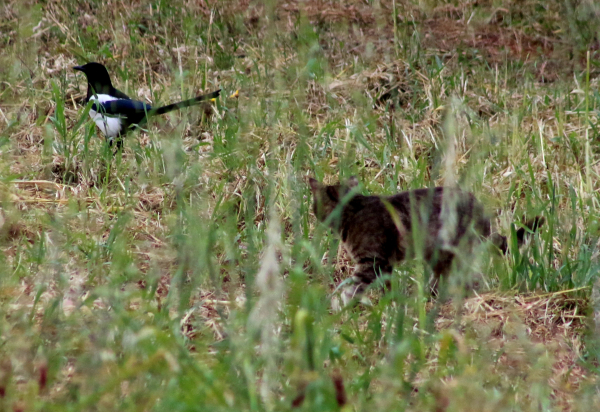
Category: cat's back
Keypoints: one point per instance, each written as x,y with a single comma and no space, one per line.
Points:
372,216
427,199
366,216
437,204
381,225
373,212
433,198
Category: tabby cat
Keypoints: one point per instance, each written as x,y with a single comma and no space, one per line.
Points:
439,224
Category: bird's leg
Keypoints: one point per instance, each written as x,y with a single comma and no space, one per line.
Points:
118,142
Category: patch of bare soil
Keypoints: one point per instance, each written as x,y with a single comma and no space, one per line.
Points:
492,40
494,44
329,12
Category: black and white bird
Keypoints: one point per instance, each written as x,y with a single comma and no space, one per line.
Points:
114,112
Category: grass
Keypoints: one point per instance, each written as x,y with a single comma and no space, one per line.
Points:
190,272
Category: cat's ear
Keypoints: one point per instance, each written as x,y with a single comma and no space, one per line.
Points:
314,184
352,182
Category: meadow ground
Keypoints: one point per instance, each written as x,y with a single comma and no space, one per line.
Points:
189,274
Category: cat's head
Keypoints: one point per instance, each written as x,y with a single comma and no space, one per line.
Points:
326,198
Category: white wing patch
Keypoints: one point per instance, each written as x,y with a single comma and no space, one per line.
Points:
109,126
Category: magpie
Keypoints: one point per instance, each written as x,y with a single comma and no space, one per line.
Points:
114,112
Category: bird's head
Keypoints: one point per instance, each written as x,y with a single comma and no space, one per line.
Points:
97,76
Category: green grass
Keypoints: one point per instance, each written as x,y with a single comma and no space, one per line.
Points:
190,272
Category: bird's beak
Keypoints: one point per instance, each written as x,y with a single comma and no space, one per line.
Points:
80,68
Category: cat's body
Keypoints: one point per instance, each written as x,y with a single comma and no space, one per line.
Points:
437,224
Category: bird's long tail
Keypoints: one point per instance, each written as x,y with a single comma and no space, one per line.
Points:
186,103
502,242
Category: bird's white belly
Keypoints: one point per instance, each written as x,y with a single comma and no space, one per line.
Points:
109,126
